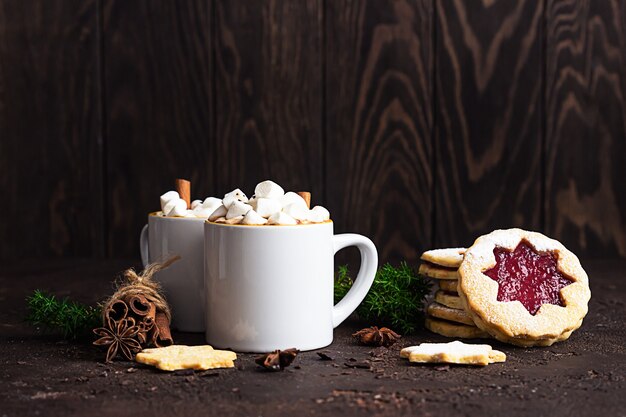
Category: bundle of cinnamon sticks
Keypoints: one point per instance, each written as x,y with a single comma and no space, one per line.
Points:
154,325
137,315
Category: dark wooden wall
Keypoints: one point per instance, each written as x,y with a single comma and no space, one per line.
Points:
418,123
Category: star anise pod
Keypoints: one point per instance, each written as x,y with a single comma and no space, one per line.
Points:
119,335
278,359
377,337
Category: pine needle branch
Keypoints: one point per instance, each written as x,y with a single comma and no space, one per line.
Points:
74,320
396,298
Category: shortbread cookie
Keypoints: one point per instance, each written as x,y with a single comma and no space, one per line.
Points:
523,287
532,343
449,300
494,355
440,311
453,352
448,285
175,357
449,329
537,342
433,271
449,257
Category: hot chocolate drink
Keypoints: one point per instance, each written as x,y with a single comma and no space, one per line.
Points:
270,205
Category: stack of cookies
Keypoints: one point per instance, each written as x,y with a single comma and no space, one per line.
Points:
446,315
517,286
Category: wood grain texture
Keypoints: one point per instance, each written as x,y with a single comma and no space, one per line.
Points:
418,123
585,124
269,94
50,152
488,110
159,115
379,123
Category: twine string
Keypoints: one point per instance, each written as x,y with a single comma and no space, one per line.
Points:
143,284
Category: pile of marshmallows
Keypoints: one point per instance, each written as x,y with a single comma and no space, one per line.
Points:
269,205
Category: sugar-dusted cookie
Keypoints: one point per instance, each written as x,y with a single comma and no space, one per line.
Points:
453,352
438,272
523,287
449,300
448,285
496,356
405,352
449,257
537,342
175,357
440,311
449,329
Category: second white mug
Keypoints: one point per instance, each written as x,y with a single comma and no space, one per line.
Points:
182,282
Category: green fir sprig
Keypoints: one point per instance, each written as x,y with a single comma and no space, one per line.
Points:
396,298
74,320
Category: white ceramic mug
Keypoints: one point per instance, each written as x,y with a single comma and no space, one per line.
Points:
183,281
271,287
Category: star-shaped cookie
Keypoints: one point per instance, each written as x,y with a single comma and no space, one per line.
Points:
174,357
523,288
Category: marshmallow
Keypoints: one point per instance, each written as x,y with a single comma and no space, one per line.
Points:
319,214
209,205
175,207
203,213
252,217
191,213
268,189
292,198
211,202
235,195
253,202
315,217
265,207
234,220
297,211
195,203
282,218
167,197
217,213
237,209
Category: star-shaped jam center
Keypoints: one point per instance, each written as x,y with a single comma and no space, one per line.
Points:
527,276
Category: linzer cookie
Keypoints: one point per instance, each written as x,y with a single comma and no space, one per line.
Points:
438,272
523,287
453,352
448,257
440,311
450,300
448,285
449,329
446,315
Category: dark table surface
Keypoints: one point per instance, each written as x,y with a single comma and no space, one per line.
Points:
42,375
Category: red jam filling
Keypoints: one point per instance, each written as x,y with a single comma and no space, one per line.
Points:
527,276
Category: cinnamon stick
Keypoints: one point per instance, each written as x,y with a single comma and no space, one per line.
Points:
163,336
306,196
183,187
116,311
141,306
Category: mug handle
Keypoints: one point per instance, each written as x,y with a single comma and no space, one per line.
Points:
363,281
143,246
